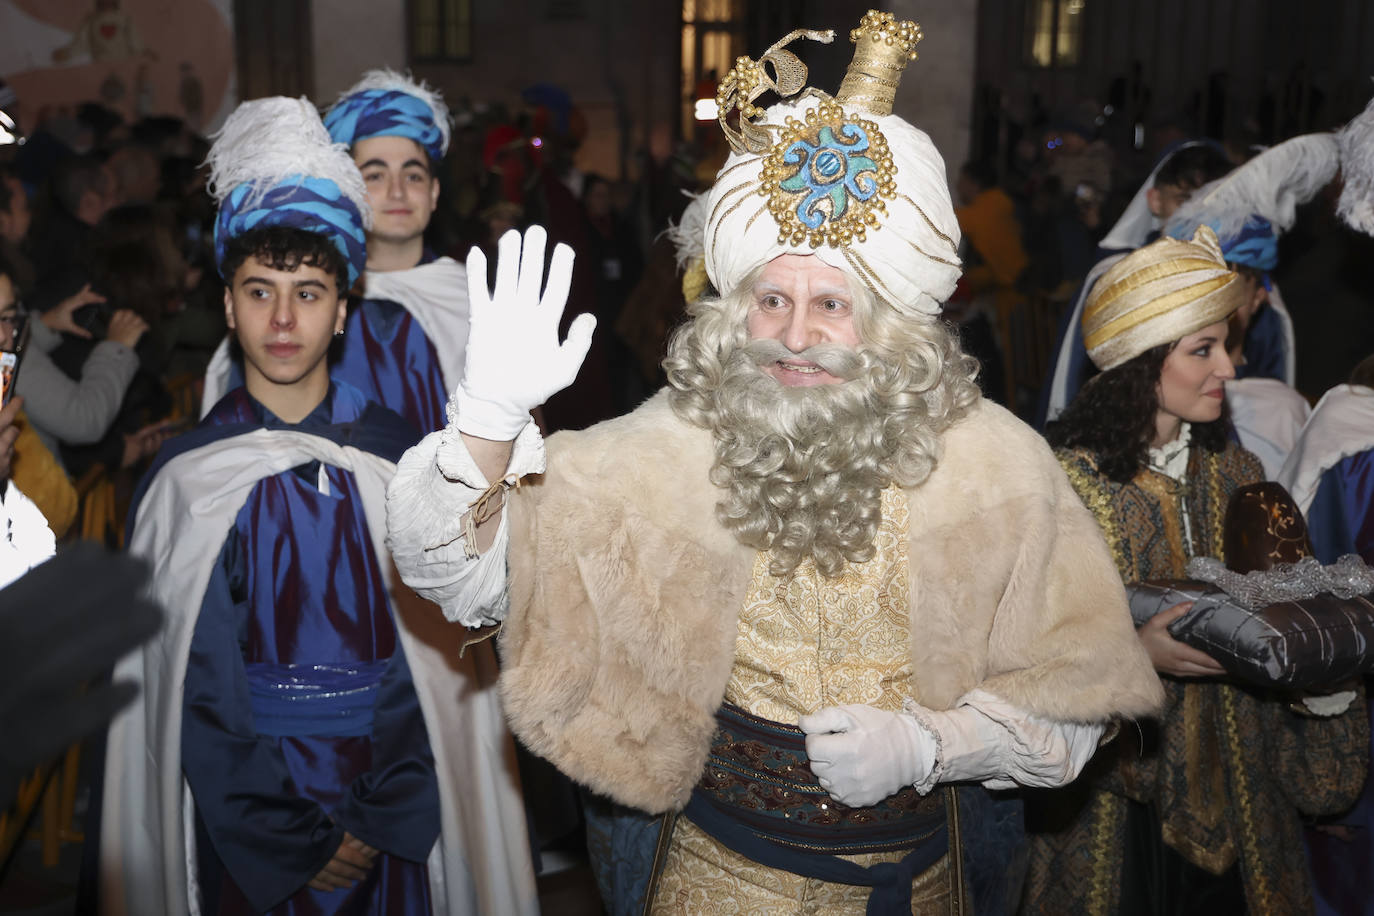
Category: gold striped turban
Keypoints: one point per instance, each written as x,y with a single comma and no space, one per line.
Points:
1156,295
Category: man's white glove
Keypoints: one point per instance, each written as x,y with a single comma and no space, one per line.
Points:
514,360
861,754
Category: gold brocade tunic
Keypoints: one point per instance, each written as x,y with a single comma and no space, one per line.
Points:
806,642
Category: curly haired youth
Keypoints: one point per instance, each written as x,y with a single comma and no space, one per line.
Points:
285,248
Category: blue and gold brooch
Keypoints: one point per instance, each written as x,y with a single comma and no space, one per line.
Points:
827,178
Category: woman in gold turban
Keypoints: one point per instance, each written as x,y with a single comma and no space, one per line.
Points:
1199,812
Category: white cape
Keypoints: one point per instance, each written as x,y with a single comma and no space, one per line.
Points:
1268,416
1341,425
436,294
481,863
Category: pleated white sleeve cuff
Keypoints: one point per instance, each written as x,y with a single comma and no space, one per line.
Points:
428,504
985,739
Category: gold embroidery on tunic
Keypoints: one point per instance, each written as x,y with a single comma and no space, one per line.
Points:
806,642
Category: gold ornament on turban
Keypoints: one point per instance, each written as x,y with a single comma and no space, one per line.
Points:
832,172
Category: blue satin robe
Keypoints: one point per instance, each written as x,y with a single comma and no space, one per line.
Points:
1340,521
298,583
387,356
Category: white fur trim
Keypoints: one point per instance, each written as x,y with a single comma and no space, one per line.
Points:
688,234
1356,139
1271,185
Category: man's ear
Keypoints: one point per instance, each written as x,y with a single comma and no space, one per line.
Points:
341,317
433,193
229,308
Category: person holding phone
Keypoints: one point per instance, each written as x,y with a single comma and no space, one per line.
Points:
78,410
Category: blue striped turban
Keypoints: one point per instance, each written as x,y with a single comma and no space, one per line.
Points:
1255,244
300,202
386,113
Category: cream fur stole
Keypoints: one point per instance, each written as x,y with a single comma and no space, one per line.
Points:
625,595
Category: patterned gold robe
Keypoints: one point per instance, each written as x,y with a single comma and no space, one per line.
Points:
1235,768
806,642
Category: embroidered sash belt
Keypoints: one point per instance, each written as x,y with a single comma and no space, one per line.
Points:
327,701
759,797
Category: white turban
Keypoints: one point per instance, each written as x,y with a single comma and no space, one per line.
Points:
908,255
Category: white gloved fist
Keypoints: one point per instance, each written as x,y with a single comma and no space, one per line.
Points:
514,360
861,754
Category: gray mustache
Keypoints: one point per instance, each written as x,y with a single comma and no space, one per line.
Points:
840,361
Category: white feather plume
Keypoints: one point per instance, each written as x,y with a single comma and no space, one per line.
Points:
264,142
399,82
688,234
1356,139
1271,185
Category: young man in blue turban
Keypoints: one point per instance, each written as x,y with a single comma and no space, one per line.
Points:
296,696
405,342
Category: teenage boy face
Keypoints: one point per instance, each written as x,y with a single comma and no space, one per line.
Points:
400,188
284,320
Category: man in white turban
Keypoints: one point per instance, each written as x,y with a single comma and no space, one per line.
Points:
793,597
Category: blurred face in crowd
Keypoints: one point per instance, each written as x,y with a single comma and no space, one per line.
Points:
9,312
802,302
400,187
1164,199
1191,382
14,221
284,320
597,200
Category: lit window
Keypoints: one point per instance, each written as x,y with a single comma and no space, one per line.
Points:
440,30
712,37
1054,32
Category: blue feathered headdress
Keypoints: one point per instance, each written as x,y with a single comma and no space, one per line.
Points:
386,104
1252,206
273,164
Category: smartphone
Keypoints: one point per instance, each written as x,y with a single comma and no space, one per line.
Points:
11,360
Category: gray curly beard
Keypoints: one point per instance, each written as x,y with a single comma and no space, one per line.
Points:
804,467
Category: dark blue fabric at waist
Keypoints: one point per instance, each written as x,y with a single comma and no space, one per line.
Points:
759,797
759,772
325,701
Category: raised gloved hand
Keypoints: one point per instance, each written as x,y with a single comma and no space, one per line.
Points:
861,755
515,361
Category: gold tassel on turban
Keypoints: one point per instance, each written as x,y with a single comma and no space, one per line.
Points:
1156,295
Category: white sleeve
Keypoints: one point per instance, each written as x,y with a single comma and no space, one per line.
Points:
988,740
429,504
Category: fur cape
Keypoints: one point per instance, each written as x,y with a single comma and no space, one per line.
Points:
625,597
